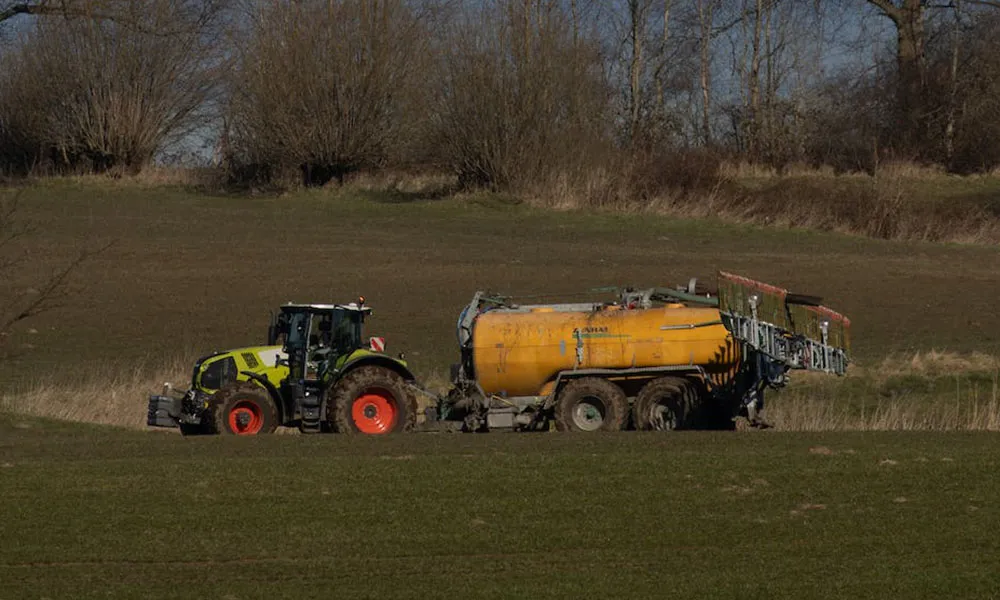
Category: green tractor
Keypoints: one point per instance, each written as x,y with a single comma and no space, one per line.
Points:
315,373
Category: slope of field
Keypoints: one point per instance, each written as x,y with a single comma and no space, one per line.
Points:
94,512
189,273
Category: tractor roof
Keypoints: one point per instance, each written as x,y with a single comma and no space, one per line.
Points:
353,306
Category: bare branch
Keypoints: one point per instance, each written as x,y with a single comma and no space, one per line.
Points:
49,292
21,8
888,8
64,8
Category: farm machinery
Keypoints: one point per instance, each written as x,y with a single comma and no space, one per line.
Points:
651,359
314,373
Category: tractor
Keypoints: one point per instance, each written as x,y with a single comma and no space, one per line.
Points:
315,373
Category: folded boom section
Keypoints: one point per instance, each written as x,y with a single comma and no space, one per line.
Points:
791,329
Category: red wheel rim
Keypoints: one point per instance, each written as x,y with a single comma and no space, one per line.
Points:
246,418
375,412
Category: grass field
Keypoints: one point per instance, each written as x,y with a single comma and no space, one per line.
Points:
93,512
96,511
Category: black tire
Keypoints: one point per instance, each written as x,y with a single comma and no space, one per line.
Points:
189,429
665,404
713,416
371,401
244,409
591,404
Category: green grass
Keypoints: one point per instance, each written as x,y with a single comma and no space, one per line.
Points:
94,512
90,511
189,272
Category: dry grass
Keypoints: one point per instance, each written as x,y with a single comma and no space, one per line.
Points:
901,201
932,391
735,170
976,412
812,403
876,208
401,184
118,396
150,177
935,363
732,170
115,396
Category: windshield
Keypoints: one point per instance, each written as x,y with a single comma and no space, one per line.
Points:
345,331
338,330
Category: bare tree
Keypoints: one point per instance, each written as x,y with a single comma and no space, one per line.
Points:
327,88
105,94
521,100
910,22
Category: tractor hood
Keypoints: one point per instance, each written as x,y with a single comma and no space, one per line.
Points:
216,370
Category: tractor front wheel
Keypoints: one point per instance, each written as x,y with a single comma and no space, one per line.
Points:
243,410
372,401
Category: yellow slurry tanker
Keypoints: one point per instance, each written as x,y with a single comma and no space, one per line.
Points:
654,359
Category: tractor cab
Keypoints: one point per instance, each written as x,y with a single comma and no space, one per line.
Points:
316,339
315,335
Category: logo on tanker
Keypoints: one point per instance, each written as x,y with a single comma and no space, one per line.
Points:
587,330
596,332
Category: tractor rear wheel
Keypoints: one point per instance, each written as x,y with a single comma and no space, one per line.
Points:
372,401
243,410
665,404
591,404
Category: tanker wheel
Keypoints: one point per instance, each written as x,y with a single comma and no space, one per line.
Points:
591,404
665,404
243,410
372,401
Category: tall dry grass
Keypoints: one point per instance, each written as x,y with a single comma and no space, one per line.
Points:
962,394
959,414
109,396
954,393
899,202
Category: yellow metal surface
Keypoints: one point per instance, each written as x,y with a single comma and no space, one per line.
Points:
520,353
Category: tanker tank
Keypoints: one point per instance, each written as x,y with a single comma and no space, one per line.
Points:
659,358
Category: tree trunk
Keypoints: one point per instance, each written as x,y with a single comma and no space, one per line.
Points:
705,13
949,129
662,67
637,13
753,129
911,113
